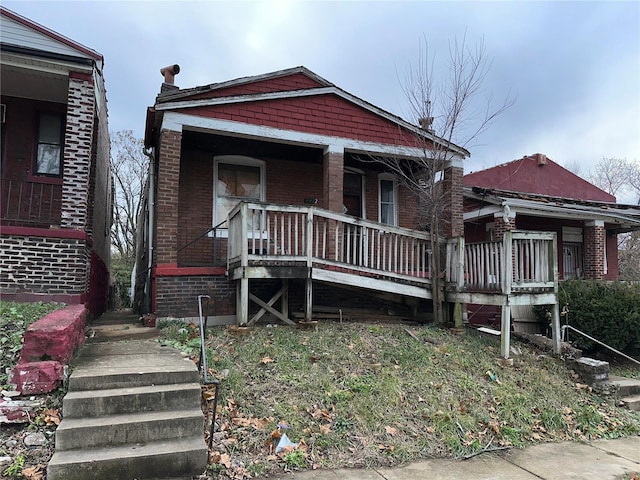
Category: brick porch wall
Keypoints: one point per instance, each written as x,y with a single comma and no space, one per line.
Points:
54,267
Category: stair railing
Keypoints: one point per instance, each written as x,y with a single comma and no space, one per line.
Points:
202,363
564,329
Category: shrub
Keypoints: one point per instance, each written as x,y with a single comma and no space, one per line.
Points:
608,311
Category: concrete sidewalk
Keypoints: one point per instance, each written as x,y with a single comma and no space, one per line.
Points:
598,460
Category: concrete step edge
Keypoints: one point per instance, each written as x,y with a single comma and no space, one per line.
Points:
116,401
186,457
109,380
111,430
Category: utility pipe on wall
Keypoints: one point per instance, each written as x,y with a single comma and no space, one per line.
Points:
150,153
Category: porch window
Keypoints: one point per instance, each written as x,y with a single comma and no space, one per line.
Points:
571,260
49,147
236,179
387,195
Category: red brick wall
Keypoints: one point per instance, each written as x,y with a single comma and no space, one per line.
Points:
323,114
167,198
297,81
177,296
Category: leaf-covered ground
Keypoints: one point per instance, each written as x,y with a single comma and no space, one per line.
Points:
25,461
362,395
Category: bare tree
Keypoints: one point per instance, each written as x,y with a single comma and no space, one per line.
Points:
129,168
615,175
451,110
621,177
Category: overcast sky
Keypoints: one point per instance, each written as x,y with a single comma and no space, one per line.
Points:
573,68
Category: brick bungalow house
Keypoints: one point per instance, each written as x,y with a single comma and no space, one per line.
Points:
536,194
55,203
263,195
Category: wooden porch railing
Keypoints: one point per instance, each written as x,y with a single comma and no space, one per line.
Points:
309,236
485,269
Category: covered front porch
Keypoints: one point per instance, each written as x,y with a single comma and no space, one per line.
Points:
268,241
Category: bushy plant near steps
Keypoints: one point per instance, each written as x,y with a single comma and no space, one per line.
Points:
608,311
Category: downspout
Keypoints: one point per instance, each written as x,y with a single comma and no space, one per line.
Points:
150,153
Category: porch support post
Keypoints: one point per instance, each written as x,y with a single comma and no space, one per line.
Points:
308,300
507,279
242,301
166,244
333,178
78,152
452,192
505,326
284,300
594,250
555,328
555,318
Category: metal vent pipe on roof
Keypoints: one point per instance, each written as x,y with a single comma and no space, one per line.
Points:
169,73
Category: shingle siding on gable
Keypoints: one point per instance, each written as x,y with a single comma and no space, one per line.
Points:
287,83
322,114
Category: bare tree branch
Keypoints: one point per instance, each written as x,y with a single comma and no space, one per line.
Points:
447,109
129,169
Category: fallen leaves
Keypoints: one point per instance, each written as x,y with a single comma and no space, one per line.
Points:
391,430
33,473
51,417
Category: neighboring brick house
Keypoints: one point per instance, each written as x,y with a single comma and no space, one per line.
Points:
536,194
299,149
55,206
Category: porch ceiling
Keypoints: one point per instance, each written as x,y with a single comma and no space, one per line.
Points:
231,145
33,83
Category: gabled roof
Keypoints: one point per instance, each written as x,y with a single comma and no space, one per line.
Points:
261,88
537,174
492,200
26,36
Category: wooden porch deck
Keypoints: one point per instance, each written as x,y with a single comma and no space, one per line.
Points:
285,242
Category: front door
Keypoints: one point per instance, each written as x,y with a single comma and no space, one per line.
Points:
352,194
352,198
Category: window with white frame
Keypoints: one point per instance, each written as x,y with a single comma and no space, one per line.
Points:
235,179
387,199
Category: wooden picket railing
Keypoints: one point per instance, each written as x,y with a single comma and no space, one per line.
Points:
313,237
523,260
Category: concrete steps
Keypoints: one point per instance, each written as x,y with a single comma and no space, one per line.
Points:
132,412
628,391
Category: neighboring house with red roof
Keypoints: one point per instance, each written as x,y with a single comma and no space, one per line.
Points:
318,211
55,203
536,194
